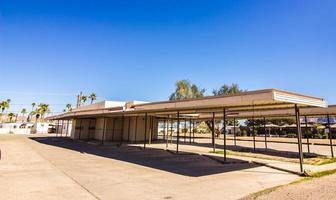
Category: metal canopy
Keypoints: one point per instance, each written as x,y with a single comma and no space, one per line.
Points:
260,101
310,111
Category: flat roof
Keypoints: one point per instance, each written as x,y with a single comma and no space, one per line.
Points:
308,111
252,101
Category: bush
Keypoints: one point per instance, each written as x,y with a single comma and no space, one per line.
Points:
291,135
244,132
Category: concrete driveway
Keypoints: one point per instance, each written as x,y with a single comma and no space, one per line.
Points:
58,168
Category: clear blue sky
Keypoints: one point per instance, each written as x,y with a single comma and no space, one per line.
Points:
125,50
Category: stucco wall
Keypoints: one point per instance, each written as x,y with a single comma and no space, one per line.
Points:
116,129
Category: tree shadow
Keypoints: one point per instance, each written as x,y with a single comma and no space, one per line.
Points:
184,163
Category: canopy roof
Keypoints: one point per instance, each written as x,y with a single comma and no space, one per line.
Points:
242,104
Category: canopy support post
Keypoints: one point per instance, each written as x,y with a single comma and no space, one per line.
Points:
213,133
67,129
57,128
113,129
190,130
80,130
299,136
306,122
265,133
171,130
178,131
128,130
104,127
166,127
185,130
234,131
330,137
145,133
193,131
62,127
136,130
253,134
224,132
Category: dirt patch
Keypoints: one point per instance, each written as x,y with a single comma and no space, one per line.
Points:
319,188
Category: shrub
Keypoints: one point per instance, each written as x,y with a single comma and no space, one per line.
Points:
291,135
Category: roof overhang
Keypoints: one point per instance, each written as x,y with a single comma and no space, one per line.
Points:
253,101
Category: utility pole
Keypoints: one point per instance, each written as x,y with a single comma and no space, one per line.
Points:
79,97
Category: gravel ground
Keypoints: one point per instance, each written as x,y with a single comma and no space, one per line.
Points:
319,188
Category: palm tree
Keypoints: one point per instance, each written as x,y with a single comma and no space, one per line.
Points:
33,105
4,105
31,112
42,109
68,108
23,112
83,99
11,115
93,97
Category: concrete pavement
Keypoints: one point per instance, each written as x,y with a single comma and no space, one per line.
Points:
48,168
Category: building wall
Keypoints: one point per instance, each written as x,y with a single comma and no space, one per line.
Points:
125,129
98,131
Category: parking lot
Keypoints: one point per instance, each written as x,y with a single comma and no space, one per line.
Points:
59,168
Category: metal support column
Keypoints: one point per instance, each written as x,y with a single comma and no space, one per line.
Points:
129,129
306,122
136,130
113,128
178,131
57,128
185,130
193,131
253,133
122,129
150,129
145,133
171,131
89,133
103,135
80,130
224,132
265,134
234,132
330,137
166,131
67,129
190,131
62,127
213,133
299,136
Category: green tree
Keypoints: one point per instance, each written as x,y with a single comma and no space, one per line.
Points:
186,90
93,97
42,109
228,90
23,112
68,108
276,121
33,105
11,115
83,99
4,105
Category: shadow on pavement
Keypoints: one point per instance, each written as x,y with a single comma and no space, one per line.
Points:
264,151
184,163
